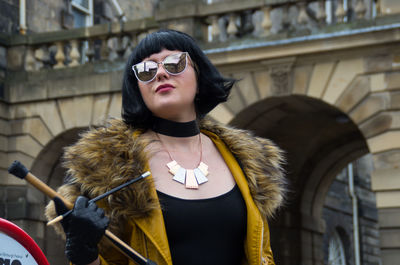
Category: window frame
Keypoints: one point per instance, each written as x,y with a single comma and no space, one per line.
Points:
86,11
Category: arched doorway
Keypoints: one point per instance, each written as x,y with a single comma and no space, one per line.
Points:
319,141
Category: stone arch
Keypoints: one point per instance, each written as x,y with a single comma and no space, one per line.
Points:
319,140
362,84
366,92
369,95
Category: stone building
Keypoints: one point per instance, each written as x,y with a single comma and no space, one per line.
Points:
320,78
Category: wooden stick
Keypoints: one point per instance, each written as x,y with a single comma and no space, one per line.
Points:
20,171
37,183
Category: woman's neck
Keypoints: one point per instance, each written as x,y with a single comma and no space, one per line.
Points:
177,114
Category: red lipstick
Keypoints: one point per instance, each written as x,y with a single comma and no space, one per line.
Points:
164,88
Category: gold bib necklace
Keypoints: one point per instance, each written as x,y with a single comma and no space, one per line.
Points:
191,178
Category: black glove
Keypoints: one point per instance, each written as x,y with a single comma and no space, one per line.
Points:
84,228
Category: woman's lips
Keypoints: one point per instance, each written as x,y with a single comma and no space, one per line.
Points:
164,88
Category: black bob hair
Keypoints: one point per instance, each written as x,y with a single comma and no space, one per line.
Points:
213,88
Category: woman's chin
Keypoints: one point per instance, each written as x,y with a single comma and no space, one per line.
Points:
175,112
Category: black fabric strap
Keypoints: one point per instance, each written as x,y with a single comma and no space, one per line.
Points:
175,129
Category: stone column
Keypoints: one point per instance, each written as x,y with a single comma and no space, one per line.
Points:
386,183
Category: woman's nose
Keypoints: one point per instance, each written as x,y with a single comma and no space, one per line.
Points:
161,73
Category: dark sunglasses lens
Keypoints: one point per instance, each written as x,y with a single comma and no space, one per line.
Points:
145,71
175,63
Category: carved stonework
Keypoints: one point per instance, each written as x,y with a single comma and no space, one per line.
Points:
280,73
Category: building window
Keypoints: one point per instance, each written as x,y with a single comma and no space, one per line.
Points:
336,250
82,11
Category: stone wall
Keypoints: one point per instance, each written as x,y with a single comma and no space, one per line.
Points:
44,15
138,8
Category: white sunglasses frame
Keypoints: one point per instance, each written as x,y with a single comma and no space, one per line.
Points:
162,63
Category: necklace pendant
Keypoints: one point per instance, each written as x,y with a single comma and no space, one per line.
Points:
180,176
177,171
200,176
173,167
203,168
191,182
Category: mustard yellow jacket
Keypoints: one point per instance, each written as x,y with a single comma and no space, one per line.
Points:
110,155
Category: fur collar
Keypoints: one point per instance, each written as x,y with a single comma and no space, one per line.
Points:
110,155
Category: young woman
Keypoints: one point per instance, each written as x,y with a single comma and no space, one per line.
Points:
211,188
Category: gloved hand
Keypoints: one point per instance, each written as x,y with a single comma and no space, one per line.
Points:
83,228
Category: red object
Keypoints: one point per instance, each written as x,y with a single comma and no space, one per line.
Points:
24,239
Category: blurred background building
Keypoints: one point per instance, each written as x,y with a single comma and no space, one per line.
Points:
319,77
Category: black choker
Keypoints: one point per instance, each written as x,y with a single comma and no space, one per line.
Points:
175,129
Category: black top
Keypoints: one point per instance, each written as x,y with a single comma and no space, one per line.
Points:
206,231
